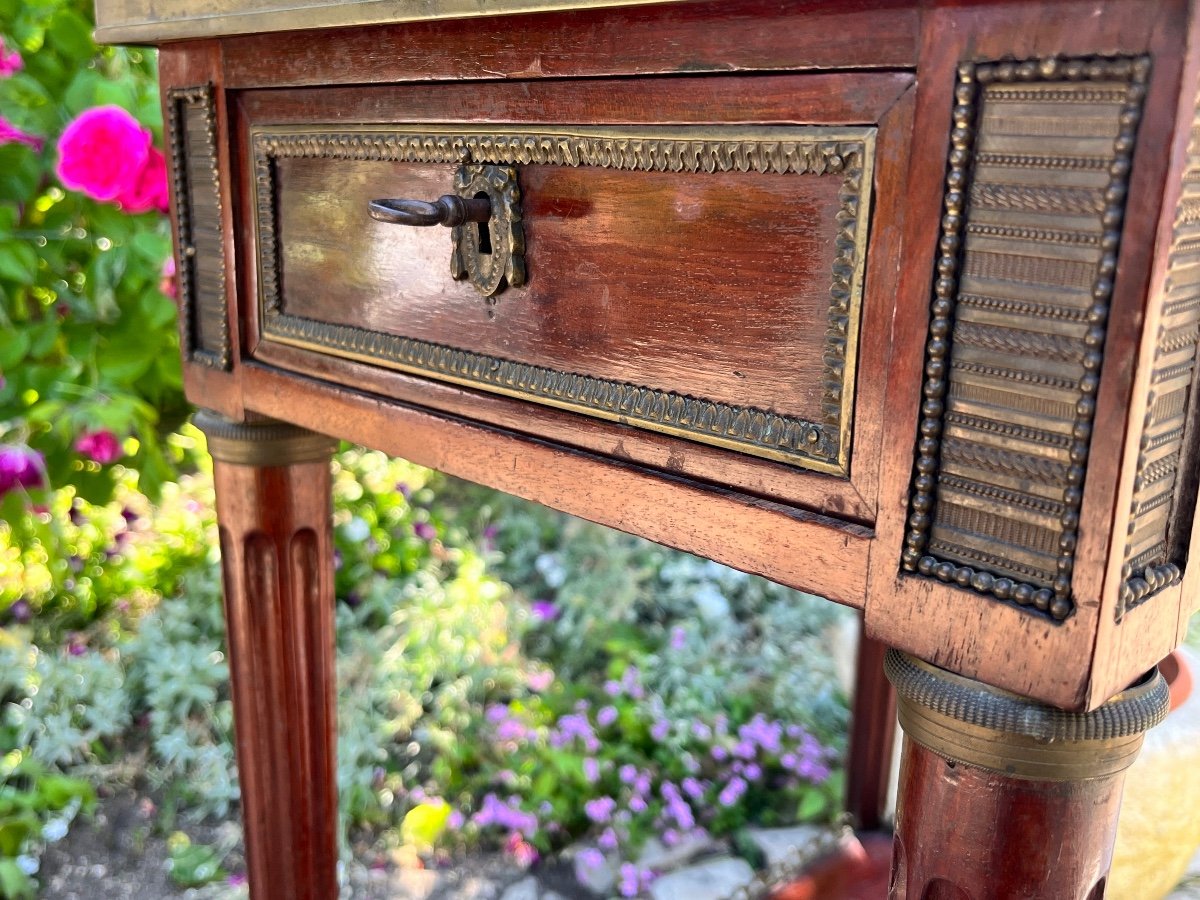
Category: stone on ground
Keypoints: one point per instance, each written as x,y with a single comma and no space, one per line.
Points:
716,879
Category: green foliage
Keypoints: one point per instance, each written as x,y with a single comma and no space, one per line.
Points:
191,864
178,683
36,807
66,708
88,337
75,561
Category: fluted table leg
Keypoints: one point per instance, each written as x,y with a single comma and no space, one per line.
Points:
1003,798
273,511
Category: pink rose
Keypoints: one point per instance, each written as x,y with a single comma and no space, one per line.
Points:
166,283
149,190
101,446
102,153
9,62
11,134
20,467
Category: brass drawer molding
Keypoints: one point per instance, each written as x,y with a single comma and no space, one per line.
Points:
1035,195
203,315
1158,530
843,153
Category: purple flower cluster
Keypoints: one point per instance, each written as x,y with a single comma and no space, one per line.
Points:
572,727
600,810
507,728
506,814
630,685
633,880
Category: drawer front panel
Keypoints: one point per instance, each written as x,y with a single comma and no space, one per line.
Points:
661,262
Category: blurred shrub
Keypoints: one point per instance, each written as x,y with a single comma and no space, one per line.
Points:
89,368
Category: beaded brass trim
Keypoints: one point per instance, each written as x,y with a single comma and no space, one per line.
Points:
970,722
203,314
1035,194
846,153
270,443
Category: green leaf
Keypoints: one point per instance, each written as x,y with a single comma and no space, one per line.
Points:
18,262
813,805
25,103
15,884
59,790
15,830
71,36
195,864
81,92
42,337
119,93
13,348
125,362
8,218
20,171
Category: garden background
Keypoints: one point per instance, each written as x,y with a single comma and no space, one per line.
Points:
510,680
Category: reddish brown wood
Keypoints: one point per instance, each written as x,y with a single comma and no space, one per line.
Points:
277,564
200,64
647,319
872,737
996,642
617,288
965,833
713,36
797,548
814,98
551,315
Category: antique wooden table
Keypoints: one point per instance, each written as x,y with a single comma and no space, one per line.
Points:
895,302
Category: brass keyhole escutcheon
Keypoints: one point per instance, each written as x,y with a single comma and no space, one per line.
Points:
490,254
488,239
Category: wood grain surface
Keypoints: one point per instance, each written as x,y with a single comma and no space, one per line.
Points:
966,833
277,567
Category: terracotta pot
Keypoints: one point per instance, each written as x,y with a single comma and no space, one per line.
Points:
1159,829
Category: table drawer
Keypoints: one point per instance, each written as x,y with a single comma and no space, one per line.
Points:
703,280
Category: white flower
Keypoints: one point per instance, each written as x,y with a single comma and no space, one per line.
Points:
28,864
54,830
356,530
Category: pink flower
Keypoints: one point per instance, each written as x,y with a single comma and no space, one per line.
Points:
544,610
102,153
11,134
20,467
149,189
523,852
167,283
101,446
9,62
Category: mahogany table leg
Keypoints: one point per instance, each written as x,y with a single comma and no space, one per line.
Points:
1002,797
273,509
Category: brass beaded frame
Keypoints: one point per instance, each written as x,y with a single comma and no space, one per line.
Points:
1052,599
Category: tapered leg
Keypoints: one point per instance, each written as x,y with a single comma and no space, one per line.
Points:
273,511
1004,798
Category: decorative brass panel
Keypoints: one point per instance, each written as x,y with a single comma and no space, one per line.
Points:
844,153
1035,194
1154,547
203,313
